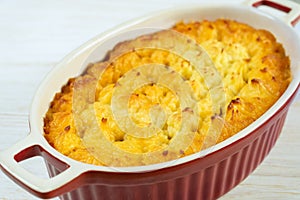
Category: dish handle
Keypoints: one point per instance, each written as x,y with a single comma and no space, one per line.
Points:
41,187
291,9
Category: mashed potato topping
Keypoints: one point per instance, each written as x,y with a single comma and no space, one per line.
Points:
253,66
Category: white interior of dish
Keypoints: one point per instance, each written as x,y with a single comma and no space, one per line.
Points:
73,64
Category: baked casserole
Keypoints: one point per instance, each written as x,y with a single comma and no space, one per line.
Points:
254,68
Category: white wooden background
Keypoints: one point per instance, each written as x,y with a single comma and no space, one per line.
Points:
36,34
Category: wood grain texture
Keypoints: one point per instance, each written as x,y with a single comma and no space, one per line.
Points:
35,35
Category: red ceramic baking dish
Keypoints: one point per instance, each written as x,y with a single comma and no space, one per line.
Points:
205,175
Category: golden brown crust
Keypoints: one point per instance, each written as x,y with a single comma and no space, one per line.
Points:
254,68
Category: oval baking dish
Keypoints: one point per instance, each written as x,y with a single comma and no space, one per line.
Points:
205,175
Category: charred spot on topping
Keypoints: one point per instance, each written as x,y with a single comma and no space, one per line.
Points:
67,128
165,153
214,117
188,109
228,26
236,101
222,50
189,28
151,84
255,81
258,39
221,112
247,60
225,22
273,78
210,26
231,104
232,114
121,139
104,120
138,73
264,70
